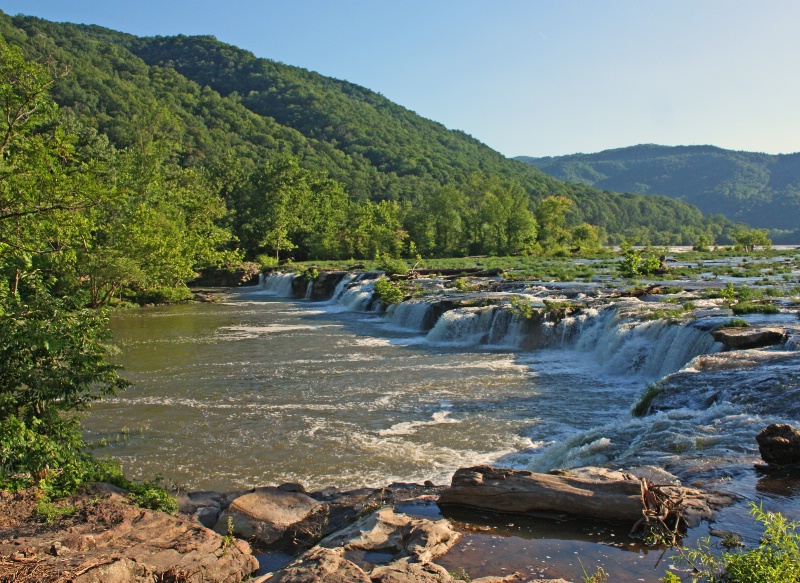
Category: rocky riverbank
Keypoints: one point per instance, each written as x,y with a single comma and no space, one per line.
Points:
384,535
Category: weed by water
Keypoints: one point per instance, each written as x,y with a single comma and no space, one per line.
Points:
460,574
775,560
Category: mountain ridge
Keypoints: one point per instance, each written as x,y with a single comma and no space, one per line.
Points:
231,110
758,188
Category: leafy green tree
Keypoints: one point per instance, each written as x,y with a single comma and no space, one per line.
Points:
283,206
554,236
748,238
53,355
586,239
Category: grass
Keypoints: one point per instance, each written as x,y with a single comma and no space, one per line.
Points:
754,308
49,512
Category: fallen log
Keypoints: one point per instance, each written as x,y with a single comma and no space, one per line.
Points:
593,493
523,492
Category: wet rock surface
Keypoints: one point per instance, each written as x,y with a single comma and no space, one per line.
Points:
404,548
236,276
779,445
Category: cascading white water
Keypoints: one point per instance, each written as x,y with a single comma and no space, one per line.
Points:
470,327
309,289
357,295
652,349
279,284
410,315
341,286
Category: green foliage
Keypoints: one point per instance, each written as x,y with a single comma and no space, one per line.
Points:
152,496
599,576
463,285
635,263
460,574
702,243
775,560
737,323
162,295
758,188
392,266
388,291
754,308
747,238
523,307
50,512
362,174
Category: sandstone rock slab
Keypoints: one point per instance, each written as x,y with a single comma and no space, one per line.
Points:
269,514
749,337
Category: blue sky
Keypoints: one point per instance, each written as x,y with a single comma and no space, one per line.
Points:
530,77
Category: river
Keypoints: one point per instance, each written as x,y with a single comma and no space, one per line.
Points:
261,389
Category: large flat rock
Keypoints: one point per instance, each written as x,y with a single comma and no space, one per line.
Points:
749,337
107,540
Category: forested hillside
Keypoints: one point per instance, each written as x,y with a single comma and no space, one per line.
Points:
314,167
760,189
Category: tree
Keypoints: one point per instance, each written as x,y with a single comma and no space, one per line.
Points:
748,238
53,355
554,235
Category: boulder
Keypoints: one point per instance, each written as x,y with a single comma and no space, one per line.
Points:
321,565
391,532
749,337
779,445
268,515
325,284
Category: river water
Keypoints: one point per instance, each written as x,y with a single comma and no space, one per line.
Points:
261,389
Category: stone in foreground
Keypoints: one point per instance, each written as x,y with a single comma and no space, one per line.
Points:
268,514
779,445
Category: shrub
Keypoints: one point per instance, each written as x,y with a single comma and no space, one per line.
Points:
775,560
163,295
754,308
635,264
392,266
523,307
388,292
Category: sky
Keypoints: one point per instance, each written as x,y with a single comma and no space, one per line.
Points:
528,78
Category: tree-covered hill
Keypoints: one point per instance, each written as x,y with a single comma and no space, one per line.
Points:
222,109
760,189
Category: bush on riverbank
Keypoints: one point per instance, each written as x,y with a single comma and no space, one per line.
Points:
775,560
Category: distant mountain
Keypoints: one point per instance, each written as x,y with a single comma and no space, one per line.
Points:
760,189
230,111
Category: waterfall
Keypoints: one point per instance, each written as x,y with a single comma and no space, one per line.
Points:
653,348
356,296
411,314
279,284
341,286
476,326
309,289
